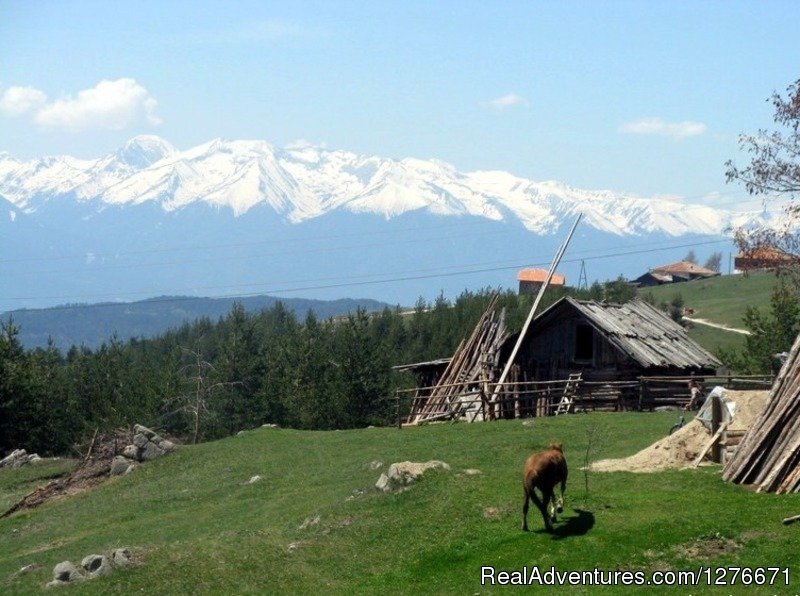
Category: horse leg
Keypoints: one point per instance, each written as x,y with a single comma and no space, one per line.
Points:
543,509
560,503
550,501
525,512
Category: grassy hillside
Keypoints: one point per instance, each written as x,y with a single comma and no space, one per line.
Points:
713,339
722,300
198,527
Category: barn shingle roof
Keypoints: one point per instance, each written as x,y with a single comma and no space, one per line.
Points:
641,331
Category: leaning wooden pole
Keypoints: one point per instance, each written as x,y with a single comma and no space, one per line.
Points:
521,338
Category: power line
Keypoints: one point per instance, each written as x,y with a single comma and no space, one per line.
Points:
199,247
317,284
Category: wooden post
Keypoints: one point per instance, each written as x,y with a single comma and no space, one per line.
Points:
521,338
716,420
399,417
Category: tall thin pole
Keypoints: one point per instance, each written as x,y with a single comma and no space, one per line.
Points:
553,266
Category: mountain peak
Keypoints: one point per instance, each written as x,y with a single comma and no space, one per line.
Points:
143,151
304,181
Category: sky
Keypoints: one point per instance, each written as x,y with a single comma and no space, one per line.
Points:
640,97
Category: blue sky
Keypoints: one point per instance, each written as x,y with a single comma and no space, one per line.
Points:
643,97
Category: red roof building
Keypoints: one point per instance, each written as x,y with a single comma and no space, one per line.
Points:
530,280
764,257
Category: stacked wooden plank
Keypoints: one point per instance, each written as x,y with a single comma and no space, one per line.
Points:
471,369
768,456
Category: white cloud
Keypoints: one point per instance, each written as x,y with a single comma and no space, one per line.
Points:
657,126
17,101
508,100
109,105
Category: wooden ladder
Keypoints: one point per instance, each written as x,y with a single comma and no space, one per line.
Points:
569,391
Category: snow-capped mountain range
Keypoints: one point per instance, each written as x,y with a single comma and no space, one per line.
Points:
303,182
234,217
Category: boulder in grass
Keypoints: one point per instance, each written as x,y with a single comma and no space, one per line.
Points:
121,557
151,451
147,445
67,572
96,565
120,465
19,458
402,474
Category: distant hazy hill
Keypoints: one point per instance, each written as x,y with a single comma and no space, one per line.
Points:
90,325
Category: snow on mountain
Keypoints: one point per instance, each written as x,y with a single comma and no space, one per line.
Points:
303,182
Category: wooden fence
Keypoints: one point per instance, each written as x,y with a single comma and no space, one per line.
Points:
549,398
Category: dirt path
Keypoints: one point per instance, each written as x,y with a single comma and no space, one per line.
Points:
708,323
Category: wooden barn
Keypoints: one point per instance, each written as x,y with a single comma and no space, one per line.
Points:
608,342
596,352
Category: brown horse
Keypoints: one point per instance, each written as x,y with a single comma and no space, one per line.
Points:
544,470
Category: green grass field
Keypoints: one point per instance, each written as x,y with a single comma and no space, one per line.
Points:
199,528
722,299
713,339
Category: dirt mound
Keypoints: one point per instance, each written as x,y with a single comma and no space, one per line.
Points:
749,405
679,449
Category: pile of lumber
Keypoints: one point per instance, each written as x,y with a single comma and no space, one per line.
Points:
768,456
472,368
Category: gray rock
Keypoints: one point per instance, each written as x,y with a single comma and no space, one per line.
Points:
96,565
383,484
67,572
309,522
120,465
138,429
374,465
28,568
121,557
131,452
151,451
140,440
130,469
254,479
167,446
400,475
9,460
19,458
472,472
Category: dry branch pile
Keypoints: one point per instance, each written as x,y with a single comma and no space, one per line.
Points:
472,368
107,454
93,469
769,454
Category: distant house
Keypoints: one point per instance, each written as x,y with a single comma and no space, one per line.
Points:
652,279
530,280
608,342
674,273
764,257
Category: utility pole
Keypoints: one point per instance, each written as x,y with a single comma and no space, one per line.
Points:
583,283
